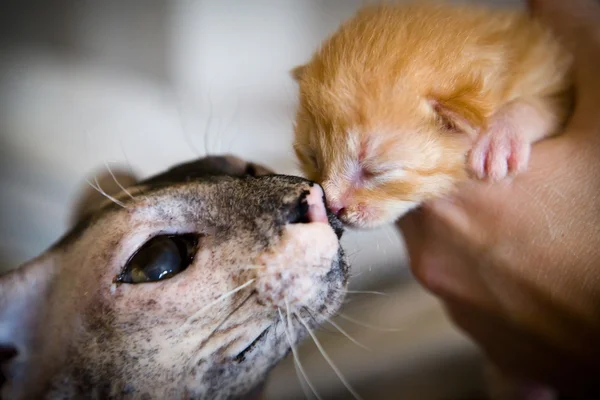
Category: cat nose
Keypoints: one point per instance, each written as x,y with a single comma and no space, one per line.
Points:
310,207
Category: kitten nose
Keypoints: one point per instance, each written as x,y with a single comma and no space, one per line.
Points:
310,207
336,207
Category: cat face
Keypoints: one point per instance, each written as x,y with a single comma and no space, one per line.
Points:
195,286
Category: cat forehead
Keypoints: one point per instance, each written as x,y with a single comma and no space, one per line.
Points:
191,195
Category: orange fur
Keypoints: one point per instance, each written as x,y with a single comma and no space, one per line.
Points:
392,102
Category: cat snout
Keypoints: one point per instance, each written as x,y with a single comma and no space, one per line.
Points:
310,207
337,207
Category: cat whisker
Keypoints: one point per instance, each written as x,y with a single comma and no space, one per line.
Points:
352,276
205,340
208,125
327,358
320,328
361,292
129,167
253,267
376,328
185,132
263,267
352,256
117,181
291,340
343,332
315,267
235,111
200,312
219,136
103,193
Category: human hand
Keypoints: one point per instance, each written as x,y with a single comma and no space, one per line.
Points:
517,264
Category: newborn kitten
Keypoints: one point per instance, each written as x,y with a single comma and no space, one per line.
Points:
406,100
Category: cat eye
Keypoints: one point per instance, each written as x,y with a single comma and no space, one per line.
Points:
160,258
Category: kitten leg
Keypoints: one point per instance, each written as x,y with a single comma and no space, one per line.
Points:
504,148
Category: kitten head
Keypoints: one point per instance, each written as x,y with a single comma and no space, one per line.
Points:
377,168
379,143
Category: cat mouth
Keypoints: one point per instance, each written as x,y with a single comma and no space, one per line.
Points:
335,223
241,356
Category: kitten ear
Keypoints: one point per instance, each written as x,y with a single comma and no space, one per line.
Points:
460,113
297,72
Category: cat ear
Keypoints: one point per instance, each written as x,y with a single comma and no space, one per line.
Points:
297,72
111,182
23,308
460,113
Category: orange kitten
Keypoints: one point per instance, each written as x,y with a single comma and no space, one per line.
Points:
406,100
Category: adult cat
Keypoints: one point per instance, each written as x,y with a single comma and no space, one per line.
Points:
190,284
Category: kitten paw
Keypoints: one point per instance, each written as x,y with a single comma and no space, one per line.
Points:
498,153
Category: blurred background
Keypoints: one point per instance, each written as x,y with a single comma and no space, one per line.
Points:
151,83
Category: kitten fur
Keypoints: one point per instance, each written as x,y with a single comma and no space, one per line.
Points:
404,101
